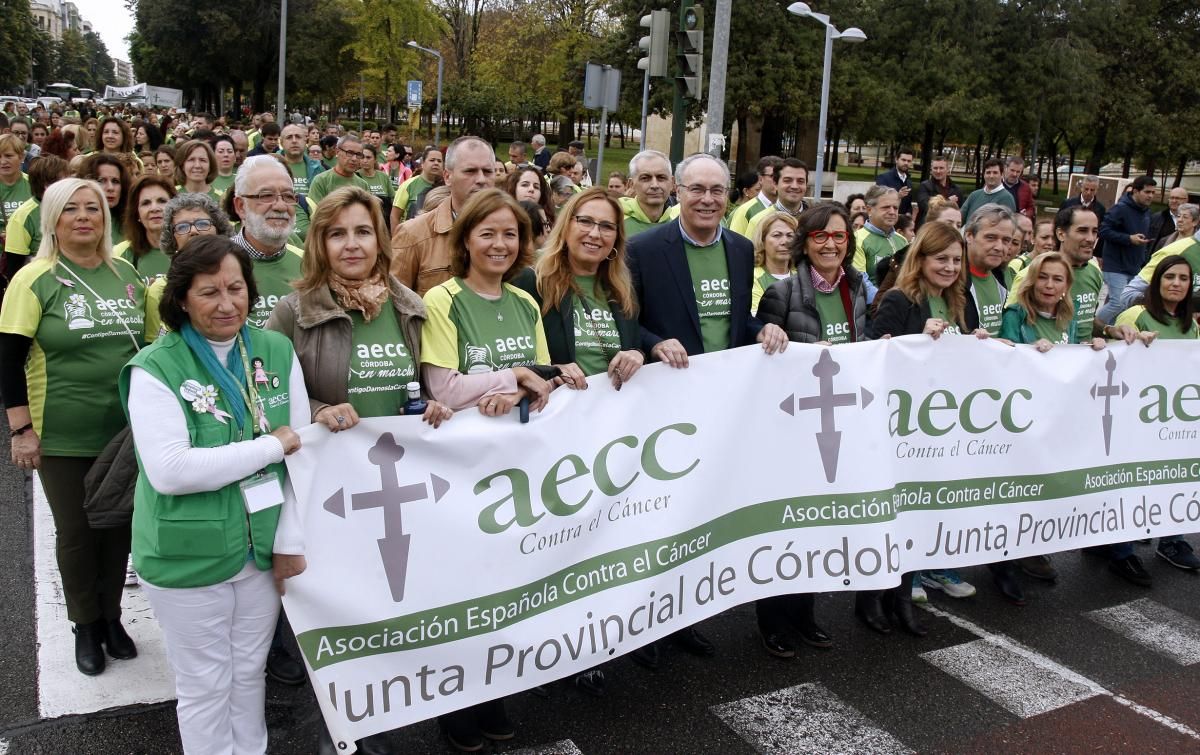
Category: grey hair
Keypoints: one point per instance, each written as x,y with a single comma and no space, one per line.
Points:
642,156
992,213
252,163
876,193
690,160
1091,179
1190,209
180,202
459,143
1013,160
539,140
350,137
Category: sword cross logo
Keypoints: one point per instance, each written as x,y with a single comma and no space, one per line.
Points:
391,497
1108,391
829,438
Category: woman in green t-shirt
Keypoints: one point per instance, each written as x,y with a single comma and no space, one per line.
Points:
144,225
1043,314
71,319
772,252
195,168
1166,308
110,172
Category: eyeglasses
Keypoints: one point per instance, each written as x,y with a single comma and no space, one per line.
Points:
270,197
202,225
696,191
355,155
587,224
839,237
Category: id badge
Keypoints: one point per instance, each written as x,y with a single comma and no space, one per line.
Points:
261,492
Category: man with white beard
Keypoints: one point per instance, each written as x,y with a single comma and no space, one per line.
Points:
266,203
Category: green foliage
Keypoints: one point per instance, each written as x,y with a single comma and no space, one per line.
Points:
16,42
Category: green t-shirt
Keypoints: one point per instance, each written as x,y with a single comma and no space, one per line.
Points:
23,234
274,280
835,326
12,197
1188,247
710,281
410,194
870,247
939,309
379,185
381,365
763,280
151,265
979,198
1047,327
1085,291
1138,317
990,301
223,183
597,340
464,331
299,173
739,219
326,182
1016,327
79,347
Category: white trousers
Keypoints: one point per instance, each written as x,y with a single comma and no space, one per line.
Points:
217,640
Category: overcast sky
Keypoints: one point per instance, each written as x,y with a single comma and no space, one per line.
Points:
111,21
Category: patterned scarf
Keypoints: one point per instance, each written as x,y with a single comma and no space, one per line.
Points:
367,295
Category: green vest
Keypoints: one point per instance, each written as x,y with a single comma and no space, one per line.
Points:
201,539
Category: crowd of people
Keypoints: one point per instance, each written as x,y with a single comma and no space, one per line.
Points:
193,293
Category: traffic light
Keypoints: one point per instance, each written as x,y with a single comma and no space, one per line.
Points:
655,45
689,52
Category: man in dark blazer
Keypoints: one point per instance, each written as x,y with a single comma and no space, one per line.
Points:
1087,198
898,178
693,280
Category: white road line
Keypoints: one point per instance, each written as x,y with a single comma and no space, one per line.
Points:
1016,682
805,718
62,690
1046,664
3,746
564,747
1163,630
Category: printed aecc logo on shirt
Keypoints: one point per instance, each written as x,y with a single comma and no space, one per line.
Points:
78,312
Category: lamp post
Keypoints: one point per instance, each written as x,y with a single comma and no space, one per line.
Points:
853,34
437,129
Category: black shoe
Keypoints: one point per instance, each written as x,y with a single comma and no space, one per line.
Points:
1038,567
89,647
814,636
592,682
693,642
868,607
778,645
1131,568
462,731
1005,577
376,744
1178,553
493,721
119,643
900,604
285,669
646,656
325,744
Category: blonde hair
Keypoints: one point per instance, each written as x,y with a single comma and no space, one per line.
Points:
554,276
57,195
932,239
760,233
1064,310
315,268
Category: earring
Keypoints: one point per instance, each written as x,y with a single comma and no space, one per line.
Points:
612,255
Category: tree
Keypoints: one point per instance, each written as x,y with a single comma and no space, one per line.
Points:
384,28
73,63
45,58
16,42
100,65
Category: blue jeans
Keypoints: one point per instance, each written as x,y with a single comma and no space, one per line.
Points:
1116,283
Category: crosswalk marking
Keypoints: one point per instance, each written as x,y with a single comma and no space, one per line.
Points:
62,690
1043,662
805,718
1153,625
563,747
1015,681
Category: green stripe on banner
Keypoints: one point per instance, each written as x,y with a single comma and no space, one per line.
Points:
449,623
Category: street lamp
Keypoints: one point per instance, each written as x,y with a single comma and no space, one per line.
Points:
437,132
853,34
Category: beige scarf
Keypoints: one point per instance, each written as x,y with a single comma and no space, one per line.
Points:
367,295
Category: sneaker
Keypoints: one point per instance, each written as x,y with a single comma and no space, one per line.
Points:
918,592
948,581
592,682
1178,553
1038,567
1130,568
131,577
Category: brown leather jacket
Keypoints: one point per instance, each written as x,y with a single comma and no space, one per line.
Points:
320,332
421,249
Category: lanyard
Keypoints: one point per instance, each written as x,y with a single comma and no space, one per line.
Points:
258,412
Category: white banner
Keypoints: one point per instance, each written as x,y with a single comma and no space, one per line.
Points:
452,566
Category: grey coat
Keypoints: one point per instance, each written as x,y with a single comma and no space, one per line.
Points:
791,304
320,331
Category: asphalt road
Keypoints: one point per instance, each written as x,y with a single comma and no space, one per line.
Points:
1051,676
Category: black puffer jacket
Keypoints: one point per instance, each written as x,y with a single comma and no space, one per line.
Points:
791,304
108,486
